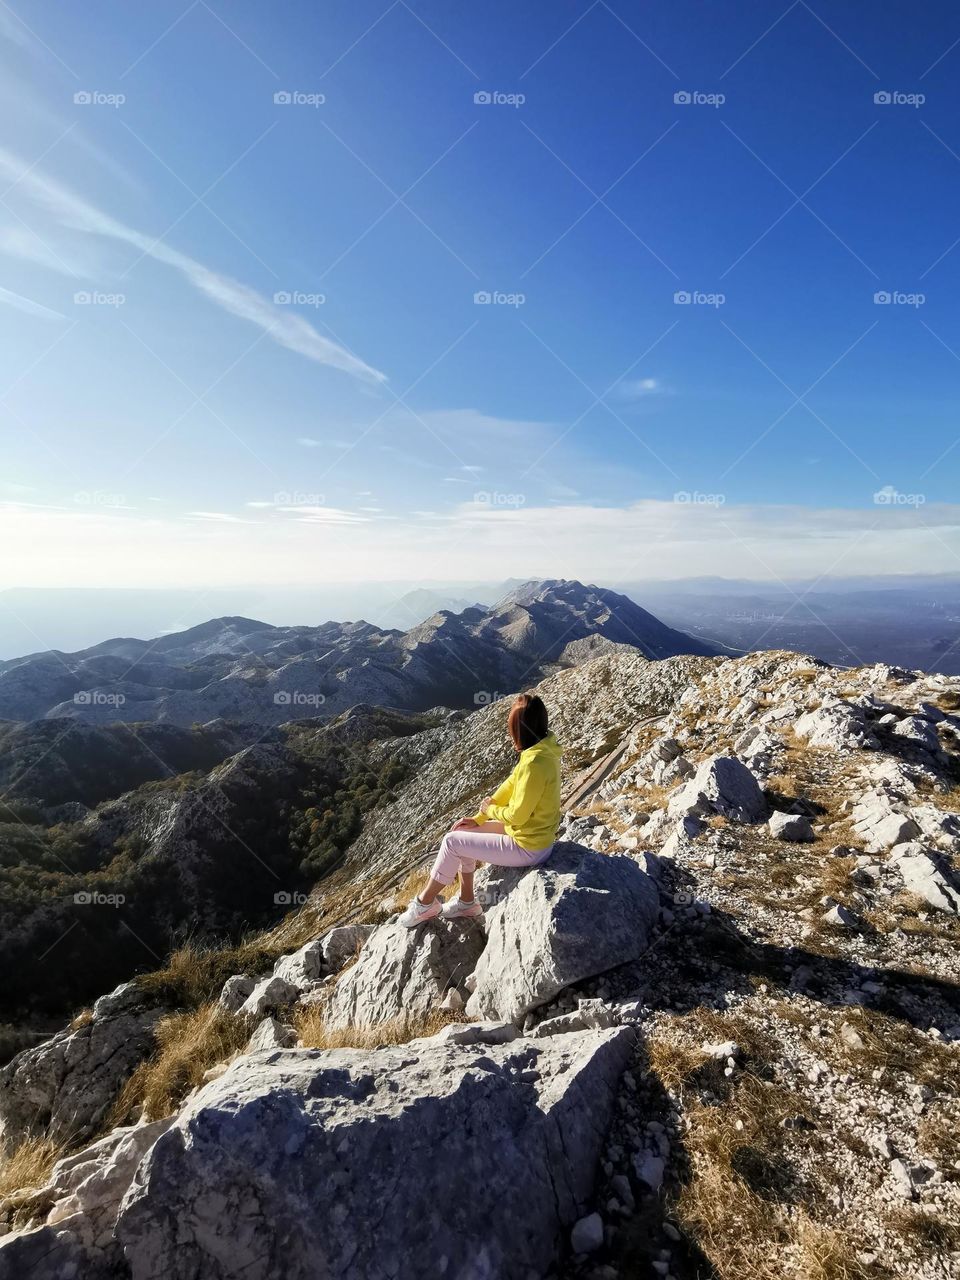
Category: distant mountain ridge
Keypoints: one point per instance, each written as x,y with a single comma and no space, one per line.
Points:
240,669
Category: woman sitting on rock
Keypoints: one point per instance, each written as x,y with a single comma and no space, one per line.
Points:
516,826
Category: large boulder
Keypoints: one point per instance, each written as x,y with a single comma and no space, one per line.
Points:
303,967
65,1086
340,944
405,972
428,1159
837,724
879,824
927,875
722,785
578,914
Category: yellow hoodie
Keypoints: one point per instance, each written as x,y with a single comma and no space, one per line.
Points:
528,803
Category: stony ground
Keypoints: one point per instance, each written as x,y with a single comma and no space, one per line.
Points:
799,1042
792,1110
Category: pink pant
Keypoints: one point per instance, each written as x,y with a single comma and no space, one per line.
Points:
462,850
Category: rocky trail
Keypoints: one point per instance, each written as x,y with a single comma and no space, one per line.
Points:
717,1034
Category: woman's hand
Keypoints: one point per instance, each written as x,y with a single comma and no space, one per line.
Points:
464,824
486,803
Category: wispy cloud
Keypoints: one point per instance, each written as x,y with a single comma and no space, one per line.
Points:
284,326
28,306
22,243
639,388
215,517
648,540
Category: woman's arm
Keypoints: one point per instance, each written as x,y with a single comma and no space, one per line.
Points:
500,797
528,786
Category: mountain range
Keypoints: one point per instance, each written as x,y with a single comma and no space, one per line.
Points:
242,670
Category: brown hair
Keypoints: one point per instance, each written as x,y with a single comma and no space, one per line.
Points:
527,721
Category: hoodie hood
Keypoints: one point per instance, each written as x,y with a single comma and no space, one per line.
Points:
547,746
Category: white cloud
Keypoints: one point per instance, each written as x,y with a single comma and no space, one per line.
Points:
648,540
638,388
217,517
28,306
25,244
282,325
308,442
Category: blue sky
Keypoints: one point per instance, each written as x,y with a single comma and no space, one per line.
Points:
189,425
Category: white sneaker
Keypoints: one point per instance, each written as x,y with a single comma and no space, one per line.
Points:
417,913
456,910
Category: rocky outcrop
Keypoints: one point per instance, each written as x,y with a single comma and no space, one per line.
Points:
837,724
65,1086
577,915
721,785
429,1158
405,972
927,875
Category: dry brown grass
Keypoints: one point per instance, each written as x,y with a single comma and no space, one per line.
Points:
676,1056
926,1229
194,975
938,1136
28,1164
314,1034
743,1204
82,1019
901,1051
651,795
187,1045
